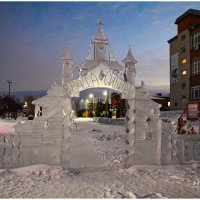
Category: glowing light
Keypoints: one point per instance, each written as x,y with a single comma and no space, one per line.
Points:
91,95
168,103
25,104
184,72
184,61
105,93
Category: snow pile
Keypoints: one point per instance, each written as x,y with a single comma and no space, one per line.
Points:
121,192
116,191
43,173
43,181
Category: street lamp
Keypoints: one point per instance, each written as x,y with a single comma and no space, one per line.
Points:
105,93
91,95
9,83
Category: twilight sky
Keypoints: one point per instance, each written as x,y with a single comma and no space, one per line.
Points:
33,35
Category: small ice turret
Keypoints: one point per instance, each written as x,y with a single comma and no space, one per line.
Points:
130,72
67,70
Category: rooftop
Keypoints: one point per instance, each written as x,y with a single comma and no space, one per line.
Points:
172,39
189,12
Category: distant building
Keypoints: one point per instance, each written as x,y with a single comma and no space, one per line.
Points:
185,60
164,101
118,105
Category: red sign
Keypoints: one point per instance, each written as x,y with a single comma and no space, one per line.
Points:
193,111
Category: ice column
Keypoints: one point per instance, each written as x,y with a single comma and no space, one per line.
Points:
67,75
130,73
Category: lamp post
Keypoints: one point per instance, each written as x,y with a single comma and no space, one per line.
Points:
9,83
86,107
92,97
105,93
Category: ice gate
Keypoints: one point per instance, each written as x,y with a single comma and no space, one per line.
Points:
46,139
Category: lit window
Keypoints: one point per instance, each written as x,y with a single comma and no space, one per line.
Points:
184,72
168,103
184,61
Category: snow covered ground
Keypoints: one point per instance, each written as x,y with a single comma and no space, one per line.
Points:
6,126
41,181
107,145
94,145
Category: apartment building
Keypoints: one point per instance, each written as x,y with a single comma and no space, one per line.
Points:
185,61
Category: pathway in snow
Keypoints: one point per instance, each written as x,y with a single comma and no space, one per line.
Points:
94,146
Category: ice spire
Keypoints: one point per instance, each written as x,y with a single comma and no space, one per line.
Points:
67,55
100,33
129,57
100,44
129,70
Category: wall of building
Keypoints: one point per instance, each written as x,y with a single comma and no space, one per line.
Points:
195,54
179,89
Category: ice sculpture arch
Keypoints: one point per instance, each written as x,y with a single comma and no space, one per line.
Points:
46,139
93,79
102,76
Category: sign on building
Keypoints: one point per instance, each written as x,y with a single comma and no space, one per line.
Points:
193,111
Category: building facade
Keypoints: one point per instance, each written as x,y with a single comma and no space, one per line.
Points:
185,61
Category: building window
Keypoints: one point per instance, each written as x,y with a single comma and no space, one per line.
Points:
183,37
196,41
184,72
175,104
195,92
183,49
183,61
183,85
196,67
183,97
